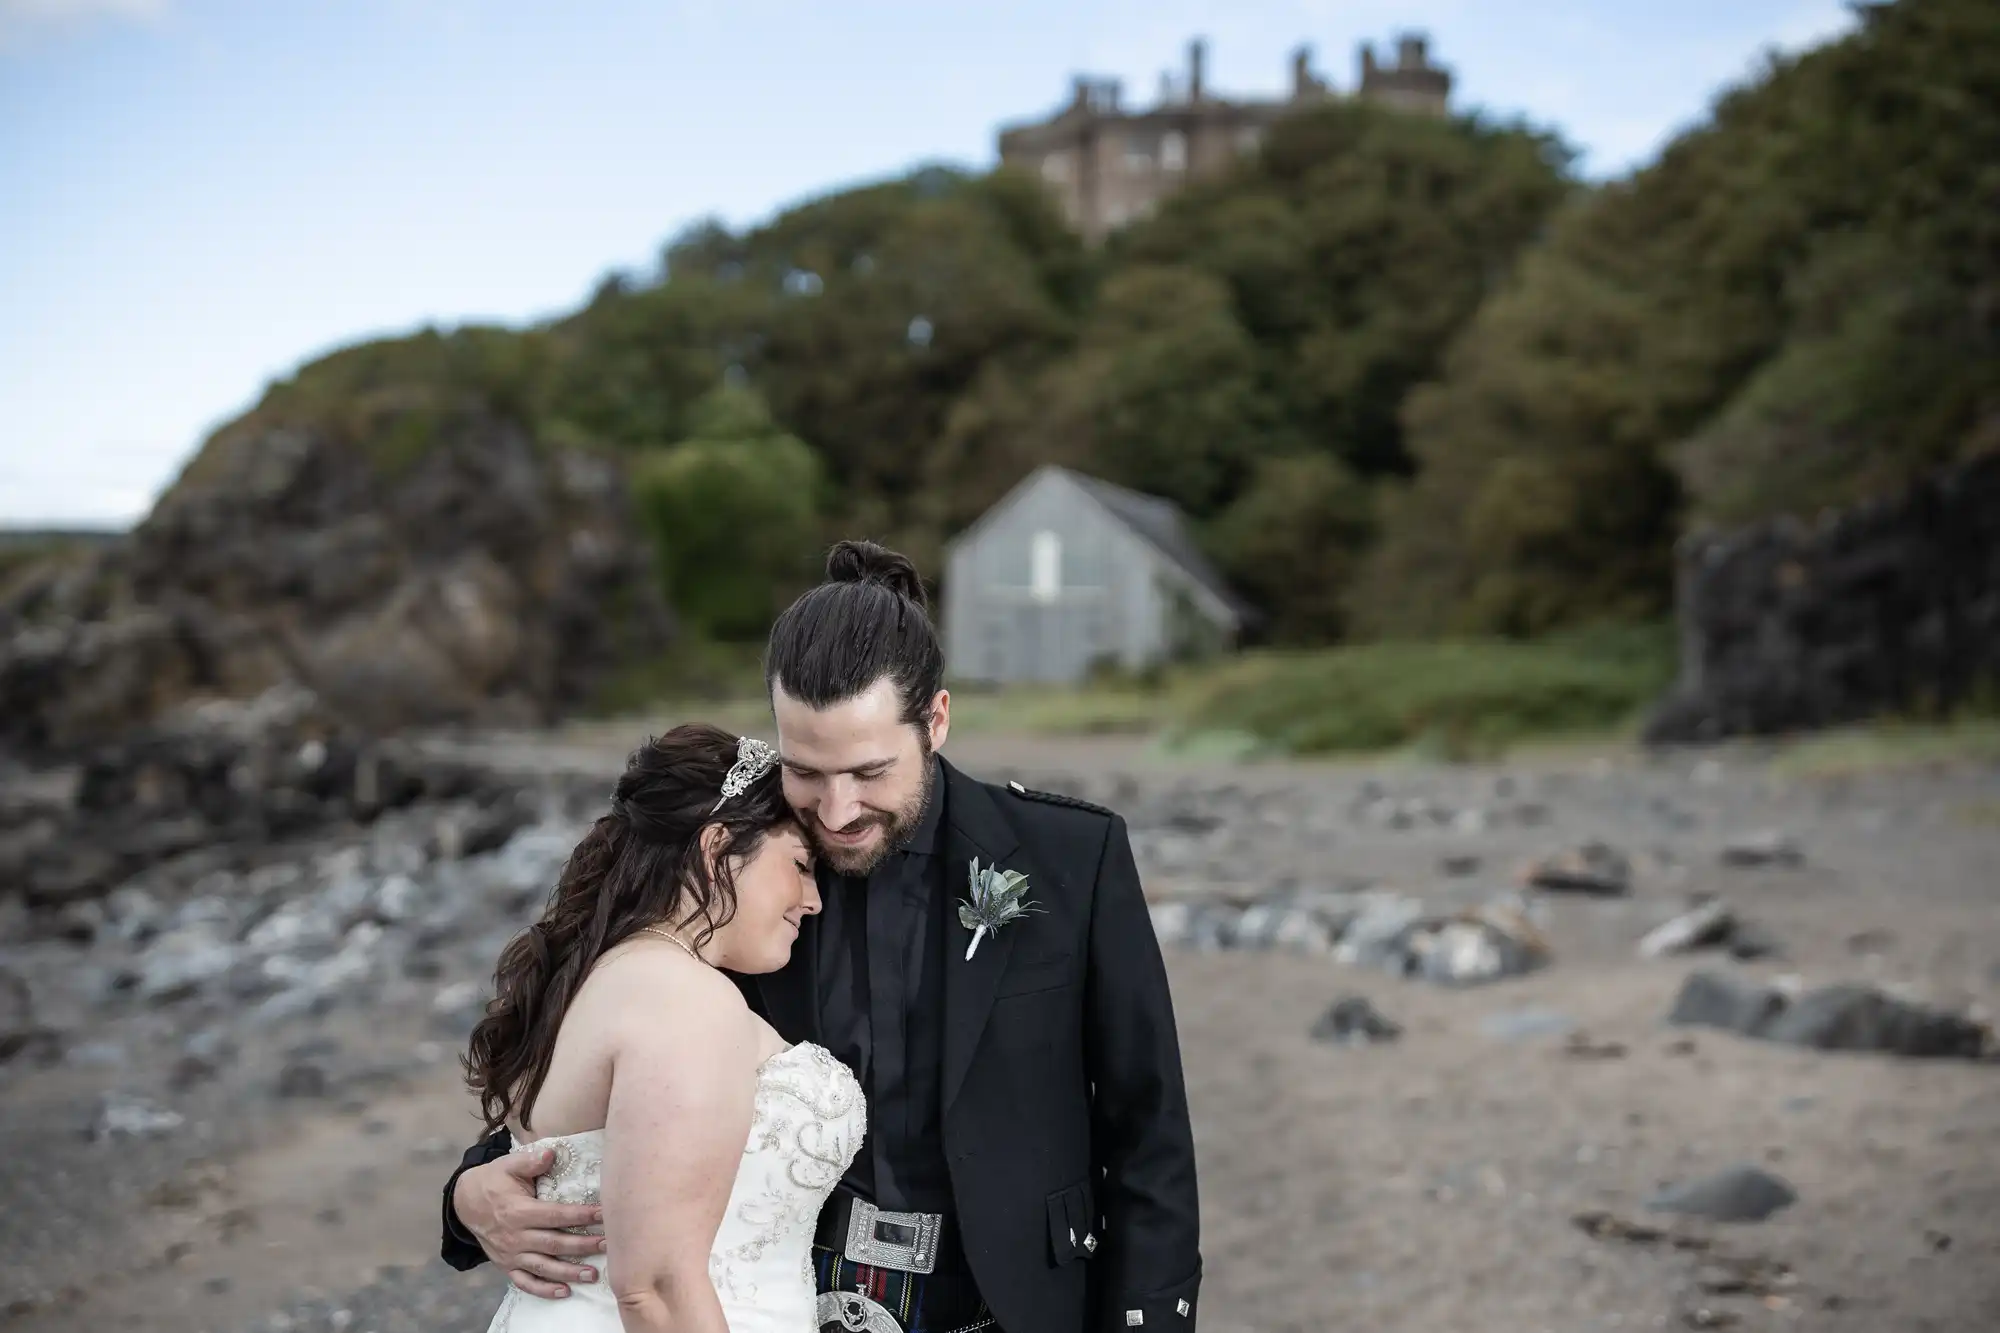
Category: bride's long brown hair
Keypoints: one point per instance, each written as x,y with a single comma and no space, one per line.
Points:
641,863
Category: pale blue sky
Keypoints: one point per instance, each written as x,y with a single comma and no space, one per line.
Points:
196,195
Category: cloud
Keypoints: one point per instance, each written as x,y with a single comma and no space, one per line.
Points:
24,18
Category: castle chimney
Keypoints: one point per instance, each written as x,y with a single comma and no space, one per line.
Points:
1303,83
1410,52
1367,60
1081,98
1195,55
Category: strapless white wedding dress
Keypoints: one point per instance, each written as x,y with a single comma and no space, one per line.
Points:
809,1121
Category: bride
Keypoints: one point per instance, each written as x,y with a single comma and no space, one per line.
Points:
615,1043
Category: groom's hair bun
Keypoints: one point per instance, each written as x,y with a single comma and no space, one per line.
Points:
866,562
868,621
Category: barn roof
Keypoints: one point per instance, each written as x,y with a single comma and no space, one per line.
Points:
1157,522
1162,525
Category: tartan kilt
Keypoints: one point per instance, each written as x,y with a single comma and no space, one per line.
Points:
945,1301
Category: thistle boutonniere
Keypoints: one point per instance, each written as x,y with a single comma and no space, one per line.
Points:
997,898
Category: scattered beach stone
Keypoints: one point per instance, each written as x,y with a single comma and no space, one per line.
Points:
1460,866
1601,1225
1711,924
1720,1000
1856,1017
1375,937
95,1055
1593,868
188,1071
1581,1046
1849,1016
1480,945
1765,847
132,914
1281,926
1867,942
1354,1021
1372,929
180,962
1743,1275
123,1115
302,1079
458,1006
1705,926
1737,1194
17,1015
1751,940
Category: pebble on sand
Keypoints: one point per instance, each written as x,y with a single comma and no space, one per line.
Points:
1594,868
1354,1021
1737,1194
1765,847
122,1115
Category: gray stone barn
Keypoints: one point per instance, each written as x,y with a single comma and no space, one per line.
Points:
1068,572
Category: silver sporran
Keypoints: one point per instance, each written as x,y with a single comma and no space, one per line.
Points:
851,1312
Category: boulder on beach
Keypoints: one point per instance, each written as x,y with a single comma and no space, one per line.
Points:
1723,1000
1844,1017
1855,1017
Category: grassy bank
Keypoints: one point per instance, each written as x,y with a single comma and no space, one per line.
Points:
1451,699
1465,699
1891,745
1460,699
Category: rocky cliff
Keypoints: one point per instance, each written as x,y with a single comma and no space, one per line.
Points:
1886,607
414,565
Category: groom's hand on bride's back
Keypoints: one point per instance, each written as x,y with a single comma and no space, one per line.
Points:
497,1204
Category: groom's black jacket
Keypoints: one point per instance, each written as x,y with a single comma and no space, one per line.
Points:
1064,1113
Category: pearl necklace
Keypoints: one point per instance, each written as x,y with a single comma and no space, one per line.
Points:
675,939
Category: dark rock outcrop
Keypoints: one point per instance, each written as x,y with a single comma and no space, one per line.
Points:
230,776
469,574
1890,605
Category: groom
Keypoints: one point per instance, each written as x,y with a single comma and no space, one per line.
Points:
1028,1166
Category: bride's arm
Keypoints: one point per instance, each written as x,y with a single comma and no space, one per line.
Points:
683,1081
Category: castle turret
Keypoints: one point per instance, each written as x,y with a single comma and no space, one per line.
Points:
1411,84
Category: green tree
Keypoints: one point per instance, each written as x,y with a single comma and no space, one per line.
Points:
1354,245
1793,307
1163,393
734,512
1290,543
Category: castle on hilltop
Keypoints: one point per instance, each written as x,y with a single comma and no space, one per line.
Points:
1109,165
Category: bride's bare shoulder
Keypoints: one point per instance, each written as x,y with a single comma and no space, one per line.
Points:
643,982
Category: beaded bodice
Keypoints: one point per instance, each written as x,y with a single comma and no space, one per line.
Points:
808,1122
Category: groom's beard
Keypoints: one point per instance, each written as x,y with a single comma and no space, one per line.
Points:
897,826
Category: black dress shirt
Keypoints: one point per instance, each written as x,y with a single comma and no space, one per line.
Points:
881,1008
